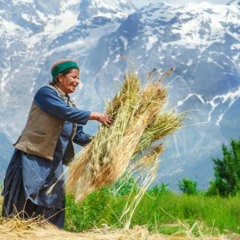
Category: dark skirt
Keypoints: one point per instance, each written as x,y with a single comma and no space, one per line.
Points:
28,202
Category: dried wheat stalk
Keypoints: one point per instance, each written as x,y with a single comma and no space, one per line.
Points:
140,121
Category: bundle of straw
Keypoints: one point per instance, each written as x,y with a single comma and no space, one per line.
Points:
140,121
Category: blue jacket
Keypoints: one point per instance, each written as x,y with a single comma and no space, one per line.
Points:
49,110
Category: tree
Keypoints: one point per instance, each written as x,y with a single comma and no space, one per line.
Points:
227,171
188,186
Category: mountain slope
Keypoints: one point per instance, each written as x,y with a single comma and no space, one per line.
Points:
109,37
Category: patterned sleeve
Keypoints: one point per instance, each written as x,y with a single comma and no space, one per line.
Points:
48,99
81,137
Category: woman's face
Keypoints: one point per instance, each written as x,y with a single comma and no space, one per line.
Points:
69,82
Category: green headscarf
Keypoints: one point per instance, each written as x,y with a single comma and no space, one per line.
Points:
62,66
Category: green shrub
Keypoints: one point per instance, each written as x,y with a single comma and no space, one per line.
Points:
227,171
188,186
90,213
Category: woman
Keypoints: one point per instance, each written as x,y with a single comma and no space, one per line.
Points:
33,185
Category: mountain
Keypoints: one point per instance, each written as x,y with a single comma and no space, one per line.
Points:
234,2
108,38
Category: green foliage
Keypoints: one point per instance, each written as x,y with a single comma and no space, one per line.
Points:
104,206
90,213
158,190
124,186
188,186
227,171
160,209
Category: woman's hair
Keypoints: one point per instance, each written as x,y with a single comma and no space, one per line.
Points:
55,80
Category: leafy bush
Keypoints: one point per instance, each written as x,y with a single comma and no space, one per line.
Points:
90,213
227,171
159,190
188,186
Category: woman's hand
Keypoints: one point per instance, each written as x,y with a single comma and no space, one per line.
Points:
104,119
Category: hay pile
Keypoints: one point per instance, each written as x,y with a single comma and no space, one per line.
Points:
133,141
15,229
38,229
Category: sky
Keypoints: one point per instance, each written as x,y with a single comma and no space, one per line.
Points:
140,3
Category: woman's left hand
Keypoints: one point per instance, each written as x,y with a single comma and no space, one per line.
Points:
105,119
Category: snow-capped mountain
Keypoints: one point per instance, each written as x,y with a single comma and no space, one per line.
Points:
108,38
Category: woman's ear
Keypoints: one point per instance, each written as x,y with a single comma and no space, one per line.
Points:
60,77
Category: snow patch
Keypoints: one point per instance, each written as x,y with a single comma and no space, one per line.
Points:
151,40
63,22
220,99
22,1
181,102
